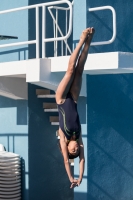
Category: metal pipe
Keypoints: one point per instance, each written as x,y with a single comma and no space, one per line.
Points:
114,24
56,43
37,32
66,30
36,5
54,36
17,43
43,31
59,8
44,39
50,39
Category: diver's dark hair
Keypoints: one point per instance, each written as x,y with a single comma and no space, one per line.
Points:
71,156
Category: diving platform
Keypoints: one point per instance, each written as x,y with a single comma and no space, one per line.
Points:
48,72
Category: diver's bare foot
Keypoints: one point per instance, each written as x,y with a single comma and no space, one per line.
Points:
90,34
87,32
84,35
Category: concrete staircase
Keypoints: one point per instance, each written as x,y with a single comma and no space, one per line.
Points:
52,108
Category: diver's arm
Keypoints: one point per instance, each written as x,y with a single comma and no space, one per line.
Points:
81,160
66,158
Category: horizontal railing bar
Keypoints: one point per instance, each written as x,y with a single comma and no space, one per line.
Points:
59,8
34,6
114,24
18,43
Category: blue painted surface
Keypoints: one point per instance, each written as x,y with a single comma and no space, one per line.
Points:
109,110
110,139
102,21
14,136
14,24
81,191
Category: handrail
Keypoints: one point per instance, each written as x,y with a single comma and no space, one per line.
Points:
36,41
55,21
70,25
114,24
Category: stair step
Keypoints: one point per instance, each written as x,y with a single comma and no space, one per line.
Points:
42,92
49,105
54,123
46,96
51,110
54,119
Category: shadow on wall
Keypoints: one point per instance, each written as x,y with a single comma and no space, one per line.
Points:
110,138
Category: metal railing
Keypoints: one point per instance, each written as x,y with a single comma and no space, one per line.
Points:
44,39
114,24
58,29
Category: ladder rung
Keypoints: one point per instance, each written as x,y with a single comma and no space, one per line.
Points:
54,123
49,105
54,119
51,110
42,92
46,96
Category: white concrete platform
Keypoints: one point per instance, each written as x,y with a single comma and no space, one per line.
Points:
48,72
99,63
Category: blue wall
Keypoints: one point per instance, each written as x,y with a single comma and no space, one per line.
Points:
110,138
102,21
110,110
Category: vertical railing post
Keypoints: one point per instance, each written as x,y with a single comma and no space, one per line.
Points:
56,43
54,25
62,48
43,31
66,30
37,32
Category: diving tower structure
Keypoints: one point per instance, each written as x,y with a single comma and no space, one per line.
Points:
48,71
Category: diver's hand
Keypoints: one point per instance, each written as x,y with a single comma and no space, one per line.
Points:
79,182
76,183
73,182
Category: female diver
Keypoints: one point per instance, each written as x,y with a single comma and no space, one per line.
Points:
66,98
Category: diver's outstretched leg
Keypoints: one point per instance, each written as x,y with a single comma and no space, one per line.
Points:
77,82
67,80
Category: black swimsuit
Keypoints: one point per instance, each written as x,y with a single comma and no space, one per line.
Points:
68,118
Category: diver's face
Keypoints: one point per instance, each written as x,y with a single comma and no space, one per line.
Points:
73,147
